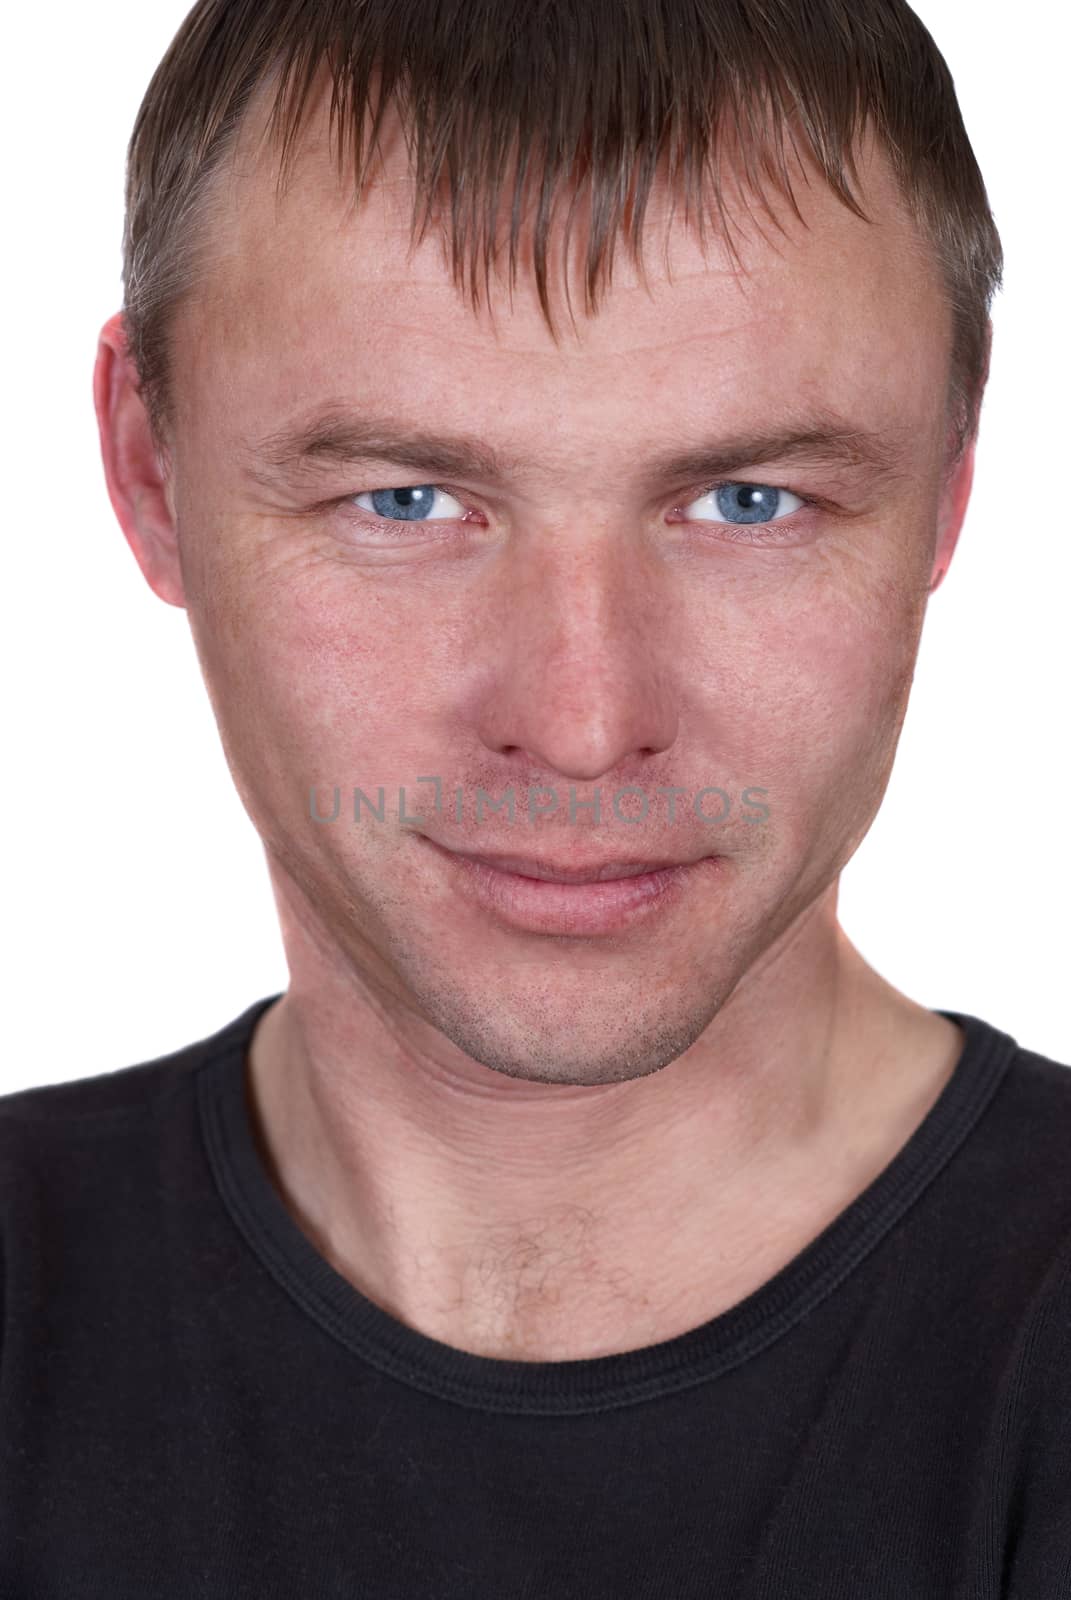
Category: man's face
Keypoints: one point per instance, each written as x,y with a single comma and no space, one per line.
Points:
592,622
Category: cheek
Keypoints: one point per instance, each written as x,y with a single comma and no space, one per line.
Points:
840,723
804,693
326,679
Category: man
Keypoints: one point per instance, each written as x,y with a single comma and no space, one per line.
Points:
587,1218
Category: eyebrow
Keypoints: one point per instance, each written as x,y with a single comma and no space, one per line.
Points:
340,437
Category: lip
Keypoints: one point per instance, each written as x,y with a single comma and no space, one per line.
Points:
606,870
572,908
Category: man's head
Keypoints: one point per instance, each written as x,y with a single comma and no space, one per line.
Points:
578,609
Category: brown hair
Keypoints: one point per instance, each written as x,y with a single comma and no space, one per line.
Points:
595,89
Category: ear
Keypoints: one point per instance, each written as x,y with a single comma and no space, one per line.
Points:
953,508
957,492
138,476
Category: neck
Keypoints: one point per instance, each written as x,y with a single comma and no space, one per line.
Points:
541,1221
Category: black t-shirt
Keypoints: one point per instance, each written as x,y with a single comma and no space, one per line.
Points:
194,1403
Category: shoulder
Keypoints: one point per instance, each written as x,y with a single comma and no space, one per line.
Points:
82,1163
121,1092
1032,1090
1041,1074
126,1091
1032,1486
1035,1126
1022,1198
1033,1106
1013,1119
83,1160
74,1120
87,1107
68,1149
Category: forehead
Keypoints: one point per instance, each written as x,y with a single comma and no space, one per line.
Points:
309,293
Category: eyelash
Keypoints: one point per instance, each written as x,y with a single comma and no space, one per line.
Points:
743,529
808,502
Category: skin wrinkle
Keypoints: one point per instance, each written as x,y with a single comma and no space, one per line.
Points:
521,1145
334,436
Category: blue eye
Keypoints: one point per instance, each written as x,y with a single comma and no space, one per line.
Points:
408,505
732,504
742,503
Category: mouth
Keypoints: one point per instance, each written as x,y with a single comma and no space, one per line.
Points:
554,872
598,897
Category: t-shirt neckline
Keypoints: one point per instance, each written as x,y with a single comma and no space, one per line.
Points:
596,1383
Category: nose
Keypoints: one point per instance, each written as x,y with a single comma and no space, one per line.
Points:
580,677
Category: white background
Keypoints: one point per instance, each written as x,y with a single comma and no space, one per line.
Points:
138,910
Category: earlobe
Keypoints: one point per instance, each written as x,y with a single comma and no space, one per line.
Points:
138,486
